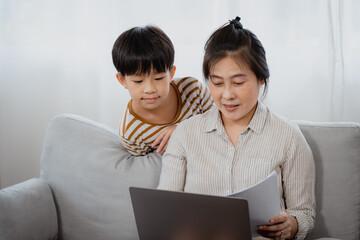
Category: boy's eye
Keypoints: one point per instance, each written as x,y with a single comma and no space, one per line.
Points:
137,81
159,78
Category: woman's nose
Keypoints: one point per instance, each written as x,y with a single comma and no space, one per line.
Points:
228,92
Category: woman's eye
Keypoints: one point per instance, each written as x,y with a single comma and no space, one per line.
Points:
216,82
238,83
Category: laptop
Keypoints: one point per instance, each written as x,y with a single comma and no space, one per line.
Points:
170,215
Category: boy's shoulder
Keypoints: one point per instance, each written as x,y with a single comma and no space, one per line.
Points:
182,82
198,120
189,84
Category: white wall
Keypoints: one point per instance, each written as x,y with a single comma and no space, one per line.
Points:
55,57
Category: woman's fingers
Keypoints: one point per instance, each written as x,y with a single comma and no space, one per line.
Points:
280,234
280,227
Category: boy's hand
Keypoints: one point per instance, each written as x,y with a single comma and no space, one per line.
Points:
163,139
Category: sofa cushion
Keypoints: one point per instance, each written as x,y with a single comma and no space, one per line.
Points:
89,173
336,150
27,211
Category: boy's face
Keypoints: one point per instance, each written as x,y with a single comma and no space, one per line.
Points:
148,92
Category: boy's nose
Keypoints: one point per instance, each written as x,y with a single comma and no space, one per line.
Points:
149,87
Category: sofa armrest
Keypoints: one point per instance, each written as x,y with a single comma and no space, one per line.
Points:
27,211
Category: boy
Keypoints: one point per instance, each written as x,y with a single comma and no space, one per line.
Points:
144,57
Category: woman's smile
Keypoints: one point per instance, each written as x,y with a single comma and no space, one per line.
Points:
230,107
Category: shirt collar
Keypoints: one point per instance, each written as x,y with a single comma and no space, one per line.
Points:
257,123
213,120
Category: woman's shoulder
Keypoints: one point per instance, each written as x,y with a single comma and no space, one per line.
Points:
281,123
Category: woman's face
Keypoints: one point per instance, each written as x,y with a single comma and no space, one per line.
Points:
235,91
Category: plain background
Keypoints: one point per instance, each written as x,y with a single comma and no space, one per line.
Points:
55,57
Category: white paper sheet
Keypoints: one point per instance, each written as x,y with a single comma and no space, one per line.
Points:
263,200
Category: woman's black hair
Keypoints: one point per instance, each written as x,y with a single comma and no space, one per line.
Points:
141,49
241,44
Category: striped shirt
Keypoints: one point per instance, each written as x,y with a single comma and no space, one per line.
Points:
138,134
200,158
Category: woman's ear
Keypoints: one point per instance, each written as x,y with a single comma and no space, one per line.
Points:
172,72
262,82
121,79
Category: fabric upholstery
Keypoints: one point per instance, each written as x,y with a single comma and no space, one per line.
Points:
90,173
336,150
27,211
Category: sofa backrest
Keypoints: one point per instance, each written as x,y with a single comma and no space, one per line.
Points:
89,173
336,150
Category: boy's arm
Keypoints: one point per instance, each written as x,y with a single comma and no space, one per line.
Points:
163,138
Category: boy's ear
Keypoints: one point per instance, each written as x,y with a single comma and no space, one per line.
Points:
172,72
121,80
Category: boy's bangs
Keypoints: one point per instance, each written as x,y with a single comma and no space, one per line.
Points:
145,65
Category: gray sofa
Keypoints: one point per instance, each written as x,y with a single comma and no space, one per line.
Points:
82,192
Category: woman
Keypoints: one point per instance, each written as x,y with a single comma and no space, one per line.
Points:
241,141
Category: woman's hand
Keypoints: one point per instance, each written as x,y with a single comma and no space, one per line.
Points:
284,226
163,139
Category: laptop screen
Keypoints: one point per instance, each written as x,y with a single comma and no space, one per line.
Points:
169,215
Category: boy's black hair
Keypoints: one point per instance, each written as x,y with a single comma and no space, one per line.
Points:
241,44
141,49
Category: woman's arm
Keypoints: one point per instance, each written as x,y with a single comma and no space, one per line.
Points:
298,174
173,172
298,178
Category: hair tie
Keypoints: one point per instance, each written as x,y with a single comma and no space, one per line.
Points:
236,23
